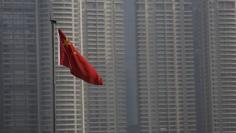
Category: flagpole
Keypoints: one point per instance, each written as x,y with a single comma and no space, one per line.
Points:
82,52
53,22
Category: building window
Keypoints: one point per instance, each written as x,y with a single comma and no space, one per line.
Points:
226,4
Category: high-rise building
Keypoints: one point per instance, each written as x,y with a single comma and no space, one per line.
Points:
166,90
69,107
201,59
103,43
97,29
25,81
222,65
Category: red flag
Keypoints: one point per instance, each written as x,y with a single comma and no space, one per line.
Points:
79,66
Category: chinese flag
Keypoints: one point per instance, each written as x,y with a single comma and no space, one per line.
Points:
79,66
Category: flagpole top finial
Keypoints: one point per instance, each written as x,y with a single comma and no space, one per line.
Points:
53,21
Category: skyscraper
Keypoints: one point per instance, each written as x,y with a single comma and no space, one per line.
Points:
69,114
103,44
97,29
222,68
166,90
25,87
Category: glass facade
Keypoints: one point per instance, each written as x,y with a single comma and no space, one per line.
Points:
19,66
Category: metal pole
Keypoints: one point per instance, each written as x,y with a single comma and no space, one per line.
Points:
53,22
82,52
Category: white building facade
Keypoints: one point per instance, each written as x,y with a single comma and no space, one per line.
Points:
97,30
166,92
222,65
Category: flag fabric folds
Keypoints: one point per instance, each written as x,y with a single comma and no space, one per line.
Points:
78,65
